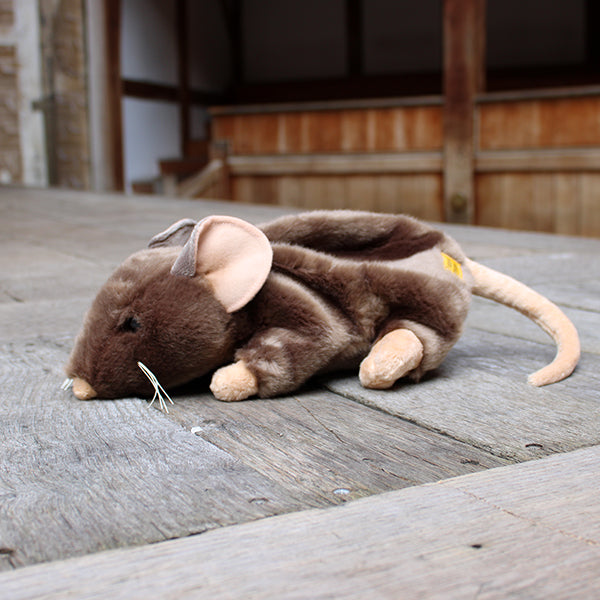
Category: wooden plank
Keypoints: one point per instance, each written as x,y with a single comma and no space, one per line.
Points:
484,407
570,122
508,126
463,64
346,130
517,161
336,105
504,242
82,477
425,130
567,203
540,123
183,78
518,95
417,195
319,192
290,133
132,476
537,201
338,164
547,266
323,131
590,201
354,131
223,129
79,477
492,317
243,189
525,531
114,87
291,191
388,130
325,447
199,184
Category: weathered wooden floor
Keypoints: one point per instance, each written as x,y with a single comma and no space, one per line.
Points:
77,479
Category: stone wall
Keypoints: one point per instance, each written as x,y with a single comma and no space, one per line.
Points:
10,149
64,64
44,132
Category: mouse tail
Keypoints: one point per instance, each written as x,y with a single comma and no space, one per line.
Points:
512,293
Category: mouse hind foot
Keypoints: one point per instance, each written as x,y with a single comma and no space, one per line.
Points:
395,355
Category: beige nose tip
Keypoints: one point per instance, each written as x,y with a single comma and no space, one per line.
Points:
83,390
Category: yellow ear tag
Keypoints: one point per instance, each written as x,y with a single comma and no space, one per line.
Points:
452,265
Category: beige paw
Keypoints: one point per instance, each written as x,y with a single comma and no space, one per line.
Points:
393,356
233,382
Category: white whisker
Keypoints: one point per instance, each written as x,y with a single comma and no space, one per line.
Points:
159,391
66,384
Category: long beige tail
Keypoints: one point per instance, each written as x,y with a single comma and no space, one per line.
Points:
510,292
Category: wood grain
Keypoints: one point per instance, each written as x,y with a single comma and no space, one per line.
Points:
78,478
488,403
525,531
374,129
463,68
540,123
539,200
301,186
316,444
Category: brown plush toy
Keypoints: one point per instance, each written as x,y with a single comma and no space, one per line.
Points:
302,295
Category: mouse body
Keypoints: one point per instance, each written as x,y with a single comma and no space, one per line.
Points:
265,308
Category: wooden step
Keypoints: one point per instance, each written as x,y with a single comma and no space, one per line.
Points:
146,186
183,167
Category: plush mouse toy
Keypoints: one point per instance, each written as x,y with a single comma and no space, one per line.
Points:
268,307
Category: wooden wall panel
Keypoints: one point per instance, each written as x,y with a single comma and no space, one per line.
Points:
518,183
417,195
401,129
354,131
542,123
11,164
589,205
291,133
322,131
566,203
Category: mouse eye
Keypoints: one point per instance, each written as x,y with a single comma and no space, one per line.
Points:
130,324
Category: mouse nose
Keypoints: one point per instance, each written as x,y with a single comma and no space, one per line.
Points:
83,390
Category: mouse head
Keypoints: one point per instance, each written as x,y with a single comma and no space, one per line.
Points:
170,307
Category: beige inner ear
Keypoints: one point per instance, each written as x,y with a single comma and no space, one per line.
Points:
236,259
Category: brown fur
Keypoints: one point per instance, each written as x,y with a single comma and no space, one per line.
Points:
184,332
339,282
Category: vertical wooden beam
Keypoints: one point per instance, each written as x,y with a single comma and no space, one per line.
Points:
114,91
354,37
236,39
464,75
232,14
181,35
592,26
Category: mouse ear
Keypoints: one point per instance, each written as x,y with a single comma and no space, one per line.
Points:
232,254
176,235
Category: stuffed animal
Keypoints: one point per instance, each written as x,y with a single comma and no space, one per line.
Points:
268,307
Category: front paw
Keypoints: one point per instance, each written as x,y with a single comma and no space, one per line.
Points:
233,382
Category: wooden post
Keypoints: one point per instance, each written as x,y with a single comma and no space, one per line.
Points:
354,38
592,41
181,26
464,74
114,89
